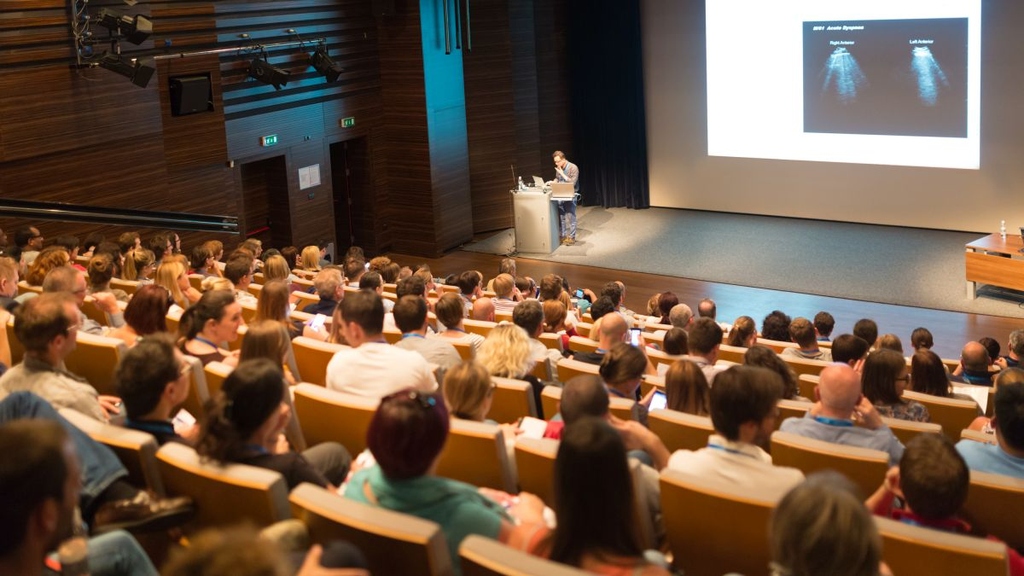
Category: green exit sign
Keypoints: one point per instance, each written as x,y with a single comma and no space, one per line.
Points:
268,140
348,122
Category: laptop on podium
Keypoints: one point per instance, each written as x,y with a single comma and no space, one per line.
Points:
562,191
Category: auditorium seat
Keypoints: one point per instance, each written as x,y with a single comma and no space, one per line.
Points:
255,289
650,381
464,348
223,494
512,400
777,345
535,464
475,453
392,335
331,416
198,393
237,343
394,543
313,356
713,528
619,407
568,368
977,436
215,373
481,327
480,556
909,549
951,413
905,430
807,383
304,299
17,350
803,366
500,316
731,353
90,311
136,450
582,344
995,505
657,357
24,287
95,358
129,286
196,280
864,467
656,327
248,312
679,430
791,409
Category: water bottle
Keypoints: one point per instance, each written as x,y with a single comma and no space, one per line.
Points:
521,185
1002,228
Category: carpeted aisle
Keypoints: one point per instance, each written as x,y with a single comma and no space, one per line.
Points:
903,266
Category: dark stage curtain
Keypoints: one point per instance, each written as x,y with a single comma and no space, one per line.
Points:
606,89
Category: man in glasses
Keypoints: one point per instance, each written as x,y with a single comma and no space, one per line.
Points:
153,379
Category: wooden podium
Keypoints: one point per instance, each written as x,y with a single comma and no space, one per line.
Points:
536,219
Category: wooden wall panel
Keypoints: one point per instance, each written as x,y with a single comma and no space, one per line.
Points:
312,210
196,139
293,127
552,83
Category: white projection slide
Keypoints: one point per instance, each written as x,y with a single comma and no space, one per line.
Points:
866,82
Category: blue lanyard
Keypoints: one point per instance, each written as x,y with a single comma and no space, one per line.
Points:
256,448
834,421
205,341
731,451
411,335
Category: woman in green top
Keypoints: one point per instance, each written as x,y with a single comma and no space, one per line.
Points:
406,437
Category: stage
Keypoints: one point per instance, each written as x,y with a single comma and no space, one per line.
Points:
885,264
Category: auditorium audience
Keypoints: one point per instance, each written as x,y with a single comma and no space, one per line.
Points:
591,467
850,350
139,266
272,304
372,367
451,310
824,323
152,380
530,316
406,436
705,340
100,272
245,421
775,326
973,368
410,316
555,314
68,279
680,316
8,284
90,243
506,294
839,402
622,370
172,276
1015,350
239,270
686,389
676,342
885,377
765,357
928,376
46,260
921,338
867,330
992,347
330,287
612,330
208,325
890,342
506,353
310,259
483,309
666,301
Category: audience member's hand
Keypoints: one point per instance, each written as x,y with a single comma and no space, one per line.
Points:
892,481
106,302
232,358
646,400
310,332
868,414
190,433
311,566
282,446
110,404
1001,362
634,435
528,509
510,431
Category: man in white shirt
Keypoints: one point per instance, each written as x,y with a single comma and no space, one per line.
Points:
505,289
372,367
744,406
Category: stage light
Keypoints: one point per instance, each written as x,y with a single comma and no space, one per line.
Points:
323,64
929,75
135,29
260,69
138,71
842,70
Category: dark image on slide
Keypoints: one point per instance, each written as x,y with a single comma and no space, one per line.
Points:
888,77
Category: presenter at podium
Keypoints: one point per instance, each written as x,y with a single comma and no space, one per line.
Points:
566,171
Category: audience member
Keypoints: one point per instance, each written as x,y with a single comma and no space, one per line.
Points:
839,402
850,350
100,272
30,241
68,279
330,286
680,316
1007,455
1015,349
406,436
506,353
591,467
8,284
482,309
172,277
928,376
686,389
411,318
48,259
666,301
765,357
705,339
890,342
139,266
244,423
992,347
310,259
803,333
866,329
272,305
239,271
921,338
555,314
451,311
676,342
776,326
611,331
372,280
743,411
884,379
145,314
504,286
743,333
622,370
90,243
372,367
822,527
153,380
46,326
973,368
530,315
824,323
206,326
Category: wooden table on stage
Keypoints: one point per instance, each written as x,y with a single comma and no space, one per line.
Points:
992,260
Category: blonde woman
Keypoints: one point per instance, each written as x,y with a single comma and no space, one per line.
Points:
506,353
171,275
310,259
469,392
139,265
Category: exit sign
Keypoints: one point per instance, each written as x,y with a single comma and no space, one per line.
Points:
348,122
268,140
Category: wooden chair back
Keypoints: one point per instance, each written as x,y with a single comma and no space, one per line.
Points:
198,393
92,312
951,413
24,287
657,357
136,450
535,464
464,348
216,373
480,556
394,543
905,430
512,400
303,299
864,467
791,409
95,358
977,436
312,357
475,453
481,327
327,415
196,280
777,345
223,494
129,286
807,383
567,368
679,430
713,528
995,505
551,340
582,344
619,407
731,353
805,366
909,549
17,350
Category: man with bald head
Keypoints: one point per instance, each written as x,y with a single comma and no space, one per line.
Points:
973,367
611,330
839,404
483,309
